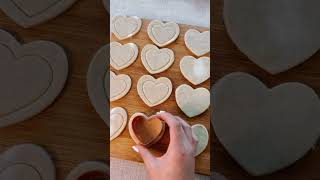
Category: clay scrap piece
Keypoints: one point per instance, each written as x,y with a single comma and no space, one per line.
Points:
154,91
264,129
33,12
90,170
201,132
197,42
192,102
118,121
119,85
26,161
163,34
32,76
276,34
98,82
122,56
124,27
145,130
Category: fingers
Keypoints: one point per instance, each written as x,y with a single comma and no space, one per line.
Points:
186,128
147,157
175,125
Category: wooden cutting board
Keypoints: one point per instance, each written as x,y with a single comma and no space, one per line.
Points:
121,146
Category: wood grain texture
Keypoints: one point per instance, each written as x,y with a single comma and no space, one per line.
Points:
70,129
121,146
229,59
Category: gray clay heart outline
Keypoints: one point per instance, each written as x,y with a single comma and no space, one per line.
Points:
98,81
16,12
55,57
264,129
275,35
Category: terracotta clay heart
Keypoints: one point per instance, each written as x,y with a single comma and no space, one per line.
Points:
119,86
31,76
198,43
124,27
195,70
264,129
90,170
26,161
192,101
118,121
275,34
145,131
154,91
156,60
163,34
122,56
32,12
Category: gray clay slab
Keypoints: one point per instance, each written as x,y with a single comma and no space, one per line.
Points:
28,13
275,34
263,129
31,76
98,83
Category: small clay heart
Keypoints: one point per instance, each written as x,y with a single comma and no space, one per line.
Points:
119,85
124,27
144,130
198,43
163,34
195,70
122,56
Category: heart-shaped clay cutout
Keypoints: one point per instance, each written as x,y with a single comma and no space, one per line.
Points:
156,60
32,76
119,85
264,129
26,161
198,43
124,27
32,12
195,70
122,56
277,34
145,131
98,83
163,34
118,121
90,170
201,132
154,91
192,101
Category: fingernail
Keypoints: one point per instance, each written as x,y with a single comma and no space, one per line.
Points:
135,149
160,112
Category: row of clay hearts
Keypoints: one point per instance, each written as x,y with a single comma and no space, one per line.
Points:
157,60
156,91
147,131
161,34
29,161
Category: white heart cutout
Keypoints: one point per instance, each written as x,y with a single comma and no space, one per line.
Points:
198,43
122,56
118,121
163,34
195,70
119,85
124,27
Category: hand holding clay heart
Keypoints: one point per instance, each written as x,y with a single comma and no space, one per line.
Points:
263,129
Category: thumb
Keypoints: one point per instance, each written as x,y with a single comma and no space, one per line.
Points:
146,155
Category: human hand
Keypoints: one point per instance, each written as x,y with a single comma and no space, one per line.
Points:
178,163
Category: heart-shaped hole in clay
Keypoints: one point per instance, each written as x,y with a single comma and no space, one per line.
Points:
148,131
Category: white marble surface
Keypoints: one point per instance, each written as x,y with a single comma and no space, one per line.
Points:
192,12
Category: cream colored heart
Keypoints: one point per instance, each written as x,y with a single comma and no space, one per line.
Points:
198,43
124,27
118,121
163,34
195,70
122,56
154,91
156,60
201,132
191,101
119,85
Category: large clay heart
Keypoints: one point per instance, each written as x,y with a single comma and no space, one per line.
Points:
119,85
198,43
264,129
28,13
154,91
122,56
191,101
156,60
31,76
145,131
98,81
195,70
124,27
163,34
118,121
26,161
275,34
